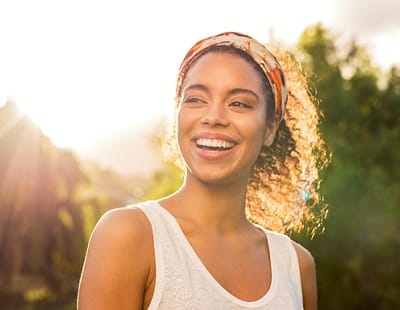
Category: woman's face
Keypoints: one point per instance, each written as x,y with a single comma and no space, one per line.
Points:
221,123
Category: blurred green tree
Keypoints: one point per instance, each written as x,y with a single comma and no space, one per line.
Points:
41,236
357,256
49,203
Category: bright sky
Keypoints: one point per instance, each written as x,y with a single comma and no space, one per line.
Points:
82,69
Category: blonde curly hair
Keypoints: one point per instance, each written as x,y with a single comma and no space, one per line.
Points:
282,192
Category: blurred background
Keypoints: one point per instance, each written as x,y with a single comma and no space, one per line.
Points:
86,87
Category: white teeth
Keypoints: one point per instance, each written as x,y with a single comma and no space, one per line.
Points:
215,143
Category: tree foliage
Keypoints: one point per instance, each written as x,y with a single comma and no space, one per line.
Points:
357,256
48,206
40,223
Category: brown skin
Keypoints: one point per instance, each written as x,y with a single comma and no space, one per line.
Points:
119,271
119,268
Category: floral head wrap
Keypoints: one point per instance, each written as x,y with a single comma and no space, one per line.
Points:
255,50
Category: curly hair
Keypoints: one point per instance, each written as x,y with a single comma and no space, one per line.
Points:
282,192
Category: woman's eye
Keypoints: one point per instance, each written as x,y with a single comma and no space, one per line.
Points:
239,104
194,100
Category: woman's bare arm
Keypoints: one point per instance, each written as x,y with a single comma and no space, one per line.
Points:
308,277
118,262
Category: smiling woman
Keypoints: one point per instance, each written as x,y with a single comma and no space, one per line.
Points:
224,93
247,164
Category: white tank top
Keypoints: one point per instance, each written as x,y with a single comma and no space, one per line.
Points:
183,282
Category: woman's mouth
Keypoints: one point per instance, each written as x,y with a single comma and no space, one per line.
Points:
214,144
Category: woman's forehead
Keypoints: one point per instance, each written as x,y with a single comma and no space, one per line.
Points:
219,68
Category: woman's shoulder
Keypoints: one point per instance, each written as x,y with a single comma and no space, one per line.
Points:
308,276
306,260
122,232
123,223
118,261
306,268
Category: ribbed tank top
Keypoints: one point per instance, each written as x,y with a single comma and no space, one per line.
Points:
183,282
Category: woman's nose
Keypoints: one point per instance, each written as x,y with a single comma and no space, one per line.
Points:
215,115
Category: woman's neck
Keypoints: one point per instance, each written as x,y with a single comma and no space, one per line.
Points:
219,207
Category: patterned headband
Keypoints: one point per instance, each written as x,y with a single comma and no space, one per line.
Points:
253,48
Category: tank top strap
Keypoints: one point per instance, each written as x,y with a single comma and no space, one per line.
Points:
173,265
284,255
160,242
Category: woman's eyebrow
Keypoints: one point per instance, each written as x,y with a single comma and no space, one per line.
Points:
196,87
234,91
